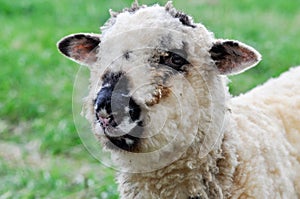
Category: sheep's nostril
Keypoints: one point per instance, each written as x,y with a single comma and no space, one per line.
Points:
104,121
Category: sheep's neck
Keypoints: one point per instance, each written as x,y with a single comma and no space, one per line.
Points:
186,177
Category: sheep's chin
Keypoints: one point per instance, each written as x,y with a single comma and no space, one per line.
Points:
124,136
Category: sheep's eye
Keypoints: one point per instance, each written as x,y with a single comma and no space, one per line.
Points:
173,60
177,60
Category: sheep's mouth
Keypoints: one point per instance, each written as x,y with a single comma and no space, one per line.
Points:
123,129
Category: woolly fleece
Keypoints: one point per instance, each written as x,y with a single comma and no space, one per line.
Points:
199,142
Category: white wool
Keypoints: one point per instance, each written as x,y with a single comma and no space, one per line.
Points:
199,142
255,157
267,121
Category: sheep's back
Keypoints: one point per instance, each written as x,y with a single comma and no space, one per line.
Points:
266,127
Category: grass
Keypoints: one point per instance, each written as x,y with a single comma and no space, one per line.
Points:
41,155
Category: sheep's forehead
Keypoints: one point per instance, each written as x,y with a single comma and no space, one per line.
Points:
155,16
140,42
150,28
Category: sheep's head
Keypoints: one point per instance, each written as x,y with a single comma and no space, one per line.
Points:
156,78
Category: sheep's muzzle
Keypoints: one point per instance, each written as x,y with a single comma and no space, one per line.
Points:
118,113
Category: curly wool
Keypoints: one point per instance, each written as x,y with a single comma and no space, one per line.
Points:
214,146
258,157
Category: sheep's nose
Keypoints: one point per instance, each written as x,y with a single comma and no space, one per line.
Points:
103,100
113,83
113,101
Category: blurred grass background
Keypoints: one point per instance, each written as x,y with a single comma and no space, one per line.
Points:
41,155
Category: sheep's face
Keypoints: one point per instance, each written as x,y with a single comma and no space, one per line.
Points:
154,74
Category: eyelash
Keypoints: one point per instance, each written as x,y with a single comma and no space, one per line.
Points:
173,60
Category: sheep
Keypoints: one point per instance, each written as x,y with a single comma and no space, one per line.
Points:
159,102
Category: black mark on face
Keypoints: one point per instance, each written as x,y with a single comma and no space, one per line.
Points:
114,107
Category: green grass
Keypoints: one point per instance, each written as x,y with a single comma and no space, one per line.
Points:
36,84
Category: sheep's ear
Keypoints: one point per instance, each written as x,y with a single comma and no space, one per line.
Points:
81,48
233,57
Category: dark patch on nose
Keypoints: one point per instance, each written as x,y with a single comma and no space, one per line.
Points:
114,96
114,104
103,100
